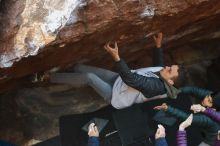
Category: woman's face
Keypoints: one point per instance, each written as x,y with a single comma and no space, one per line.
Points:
207,101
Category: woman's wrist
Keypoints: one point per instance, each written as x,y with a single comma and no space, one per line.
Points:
181,128
203,109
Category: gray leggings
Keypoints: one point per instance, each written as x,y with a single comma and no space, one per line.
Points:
101,80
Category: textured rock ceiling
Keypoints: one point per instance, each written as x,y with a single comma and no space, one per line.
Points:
37,35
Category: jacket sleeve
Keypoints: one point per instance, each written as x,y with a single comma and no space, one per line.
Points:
181,138
161,142
146,85
198,119
199,93
93,141
213,114
158,57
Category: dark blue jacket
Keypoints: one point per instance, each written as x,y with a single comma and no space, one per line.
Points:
93,141
196,92
210,127
216,116
3,143
182,137
161,142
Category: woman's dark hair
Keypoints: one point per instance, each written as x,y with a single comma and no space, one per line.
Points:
216,100
180,80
